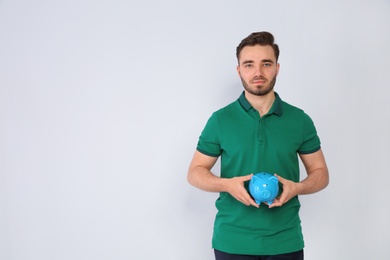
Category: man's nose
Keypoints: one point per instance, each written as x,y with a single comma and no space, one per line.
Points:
259,71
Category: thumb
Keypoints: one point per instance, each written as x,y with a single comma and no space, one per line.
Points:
247,177
280,179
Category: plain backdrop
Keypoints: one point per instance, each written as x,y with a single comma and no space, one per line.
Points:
102,103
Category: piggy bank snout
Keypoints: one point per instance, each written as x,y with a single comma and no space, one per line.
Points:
265,194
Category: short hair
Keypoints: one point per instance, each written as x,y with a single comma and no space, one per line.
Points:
258,38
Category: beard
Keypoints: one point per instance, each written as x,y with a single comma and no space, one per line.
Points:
259,90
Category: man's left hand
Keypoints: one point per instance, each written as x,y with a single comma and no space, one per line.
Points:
290,190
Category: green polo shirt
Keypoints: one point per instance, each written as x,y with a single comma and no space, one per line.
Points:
248,143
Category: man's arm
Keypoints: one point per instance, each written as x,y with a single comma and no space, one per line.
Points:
317,173
316,180
200,176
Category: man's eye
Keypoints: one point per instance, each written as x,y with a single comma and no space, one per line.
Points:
248,65
267,64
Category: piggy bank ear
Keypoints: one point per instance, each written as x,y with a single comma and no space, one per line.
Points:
274,179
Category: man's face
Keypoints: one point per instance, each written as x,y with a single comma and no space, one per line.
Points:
258,69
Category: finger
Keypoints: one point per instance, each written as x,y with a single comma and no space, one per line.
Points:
242,200
276,203
247,177
241,197
249,201
280,178
253,203
279,201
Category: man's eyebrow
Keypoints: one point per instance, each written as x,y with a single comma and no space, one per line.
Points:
268,61
247,61
263,61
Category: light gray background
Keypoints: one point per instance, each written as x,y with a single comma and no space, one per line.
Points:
102,103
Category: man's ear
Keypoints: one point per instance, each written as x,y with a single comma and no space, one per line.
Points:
238,70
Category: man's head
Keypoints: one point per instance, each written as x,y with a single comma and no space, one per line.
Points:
258,63
258,38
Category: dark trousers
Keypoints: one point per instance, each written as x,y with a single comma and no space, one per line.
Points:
290,256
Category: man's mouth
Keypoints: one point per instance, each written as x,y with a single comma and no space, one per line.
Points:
259,81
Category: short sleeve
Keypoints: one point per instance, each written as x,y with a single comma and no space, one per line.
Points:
209,140
311,142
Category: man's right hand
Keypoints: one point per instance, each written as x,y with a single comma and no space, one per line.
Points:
235,186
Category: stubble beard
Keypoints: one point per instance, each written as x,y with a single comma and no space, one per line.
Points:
259,90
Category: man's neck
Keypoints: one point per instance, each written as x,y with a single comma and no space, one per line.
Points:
261,103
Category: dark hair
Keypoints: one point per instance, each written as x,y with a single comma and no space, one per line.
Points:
258,38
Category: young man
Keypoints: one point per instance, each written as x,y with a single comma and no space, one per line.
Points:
258,133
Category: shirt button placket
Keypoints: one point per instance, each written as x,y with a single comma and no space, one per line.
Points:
261,133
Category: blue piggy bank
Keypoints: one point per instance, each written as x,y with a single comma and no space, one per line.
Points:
263,187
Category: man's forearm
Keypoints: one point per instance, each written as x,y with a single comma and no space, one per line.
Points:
204,179
314,182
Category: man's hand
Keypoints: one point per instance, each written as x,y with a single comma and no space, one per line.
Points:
290,190
235,186
317,179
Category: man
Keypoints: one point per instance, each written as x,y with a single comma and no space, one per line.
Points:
258,133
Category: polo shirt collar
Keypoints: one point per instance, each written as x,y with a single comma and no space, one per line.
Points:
276,108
